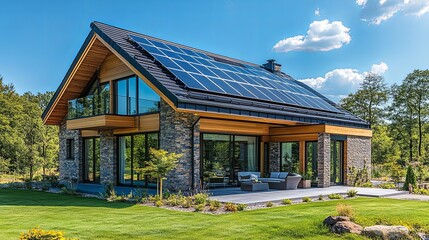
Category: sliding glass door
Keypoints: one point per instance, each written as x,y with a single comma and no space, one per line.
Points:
223,156
311,161
91,160
133,153
289,160
337,155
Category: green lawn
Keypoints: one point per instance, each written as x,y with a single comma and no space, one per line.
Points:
87,218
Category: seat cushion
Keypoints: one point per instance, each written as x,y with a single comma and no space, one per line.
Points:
274,174
283,175
245,177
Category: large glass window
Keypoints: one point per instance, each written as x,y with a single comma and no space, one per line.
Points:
91,160
311,160
289,160
133,96
225,155
337,161
133,151
96,101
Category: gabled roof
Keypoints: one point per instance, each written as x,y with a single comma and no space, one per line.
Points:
191,99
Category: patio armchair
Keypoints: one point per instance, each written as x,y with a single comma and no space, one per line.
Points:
248,176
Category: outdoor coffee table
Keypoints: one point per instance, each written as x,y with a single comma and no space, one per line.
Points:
254,186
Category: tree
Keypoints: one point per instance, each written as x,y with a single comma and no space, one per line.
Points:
159,165
410,179
368,102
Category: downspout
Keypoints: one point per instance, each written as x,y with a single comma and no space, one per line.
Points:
192,153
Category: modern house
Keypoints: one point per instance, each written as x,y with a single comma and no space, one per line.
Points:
126,92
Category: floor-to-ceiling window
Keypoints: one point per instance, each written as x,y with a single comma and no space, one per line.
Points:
133,96
91,160
133,153
223,156
289,159
311,161
337,153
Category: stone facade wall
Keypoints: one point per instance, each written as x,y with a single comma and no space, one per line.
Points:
108,163
358,154
69,168
274,161
176,136
324,160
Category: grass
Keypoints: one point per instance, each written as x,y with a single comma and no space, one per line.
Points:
87,218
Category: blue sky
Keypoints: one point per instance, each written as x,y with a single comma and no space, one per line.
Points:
330,44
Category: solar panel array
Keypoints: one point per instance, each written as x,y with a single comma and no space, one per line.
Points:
199,71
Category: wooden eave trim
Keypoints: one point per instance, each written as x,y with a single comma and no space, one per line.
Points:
321,128
70,77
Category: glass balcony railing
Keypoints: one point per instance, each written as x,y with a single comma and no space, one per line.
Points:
95,105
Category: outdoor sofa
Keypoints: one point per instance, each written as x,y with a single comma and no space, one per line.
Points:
282,180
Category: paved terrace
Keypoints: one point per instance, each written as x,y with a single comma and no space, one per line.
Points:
235,195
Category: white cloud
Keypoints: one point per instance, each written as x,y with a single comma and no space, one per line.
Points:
321,36
377,11
338,83
317,12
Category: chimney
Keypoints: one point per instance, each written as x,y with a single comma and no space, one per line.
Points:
272,66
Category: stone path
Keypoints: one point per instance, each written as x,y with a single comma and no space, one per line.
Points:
411,197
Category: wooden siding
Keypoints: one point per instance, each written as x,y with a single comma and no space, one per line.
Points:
89,133
101,122
294,137
113,68
146,123
233,127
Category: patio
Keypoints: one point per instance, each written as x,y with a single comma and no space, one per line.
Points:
235,195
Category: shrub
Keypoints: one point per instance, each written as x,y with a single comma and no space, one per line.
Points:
37,178
286,202
173,200
421,191
335,196
230,207
306,199
159,203
200,198
320,197
410,179
154,198
345,210
214,205
241,207
199,207
53,180
367,184
186,202
269,204
352,193
40,234
28,183
387,186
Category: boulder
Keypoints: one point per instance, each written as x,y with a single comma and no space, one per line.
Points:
387,232
330,221
346,227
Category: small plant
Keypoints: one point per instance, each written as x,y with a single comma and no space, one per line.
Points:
335,196
286,202
199,207
230,207
154,198
186,202
214,205
345,210
173,200
320,197
159,203
367,184
40,234
387,186
109,191
241,207
421,191
200,198
306,199
269,204
352,193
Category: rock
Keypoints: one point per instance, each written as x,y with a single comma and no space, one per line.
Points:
387,232
346,227
330,221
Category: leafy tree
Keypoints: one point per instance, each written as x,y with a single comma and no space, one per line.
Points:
159,165
368,102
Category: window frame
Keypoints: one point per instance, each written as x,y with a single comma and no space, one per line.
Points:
70,149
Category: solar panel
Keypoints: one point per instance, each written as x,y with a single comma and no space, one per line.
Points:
199,71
